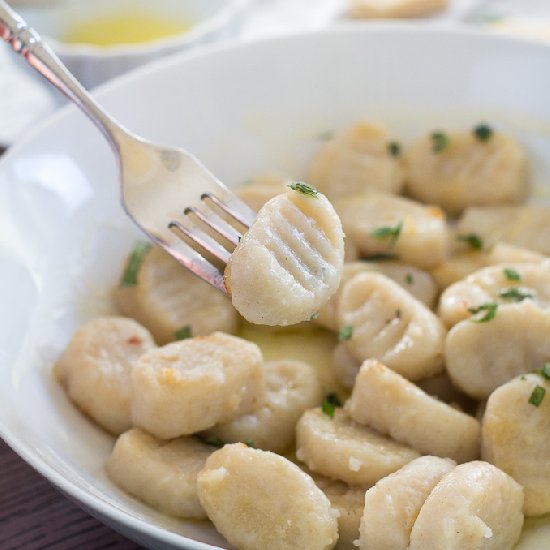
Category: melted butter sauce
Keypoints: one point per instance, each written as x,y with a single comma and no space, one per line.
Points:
124,28
308,343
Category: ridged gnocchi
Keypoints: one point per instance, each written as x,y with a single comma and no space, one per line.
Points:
523,226
400,228
458,169
501,285
387,323
392,505
166,298
289,262
416,281
355,160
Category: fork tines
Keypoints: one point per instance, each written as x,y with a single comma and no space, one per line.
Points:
211,221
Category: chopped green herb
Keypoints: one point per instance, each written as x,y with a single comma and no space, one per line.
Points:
303,188
212,441
325,136
394,149
511,274
545,371
249,443
345,333
314,316
523,377
537,396
409,279
330,403
381,257
440,141
473,240
483,132
129,277
515,294
184,332
489,310
388,232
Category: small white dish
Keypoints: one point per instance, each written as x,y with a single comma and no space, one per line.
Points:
242,109
202,21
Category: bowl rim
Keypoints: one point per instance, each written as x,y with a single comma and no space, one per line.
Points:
203,27
94,503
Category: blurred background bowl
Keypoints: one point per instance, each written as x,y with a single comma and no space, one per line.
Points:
100,39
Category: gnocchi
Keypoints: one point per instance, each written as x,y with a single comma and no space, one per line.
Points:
188,386
289,262
358,159
340,448
161,473
460,169
258,499
393,504
395,227
476,505
96,369
389,324
515,418
387,402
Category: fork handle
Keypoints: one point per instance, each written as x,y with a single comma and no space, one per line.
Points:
25,41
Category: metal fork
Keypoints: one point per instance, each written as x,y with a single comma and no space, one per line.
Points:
166,191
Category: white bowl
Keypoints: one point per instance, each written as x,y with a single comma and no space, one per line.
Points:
242,110
209,19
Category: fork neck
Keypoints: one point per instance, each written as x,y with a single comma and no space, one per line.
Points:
26,41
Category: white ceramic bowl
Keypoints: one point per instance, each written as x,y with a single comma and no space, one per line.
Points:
210,20
242,110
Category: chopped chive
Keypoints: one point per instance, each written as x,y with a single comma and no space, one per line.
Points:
545,371
345,333
440,141
211,441
184,332
326,135
301,187
489,310
483,132
515,294
409,278
511,274
388,232
330,403
473,240
129,277
537,396
381,257
394,148
249,443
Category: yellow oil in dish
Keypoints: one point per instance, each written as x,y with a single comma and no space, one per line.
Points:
124,28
